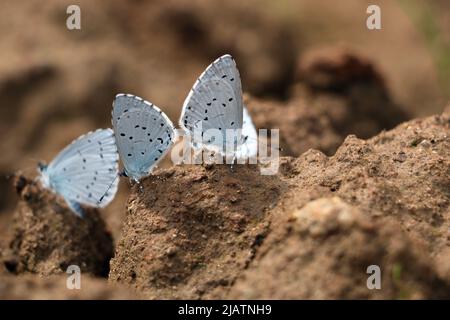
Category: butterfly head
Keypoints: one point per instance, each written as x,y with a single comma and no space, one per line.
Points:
42,167
44,178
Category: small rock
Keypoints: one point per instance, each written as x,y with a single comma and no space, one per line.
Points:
325,215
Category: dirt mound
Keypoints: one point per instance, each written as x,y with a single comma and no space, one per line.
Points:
336,69
327,252
207,232
302,123
193,229
48,237
338,93
401,175
32,287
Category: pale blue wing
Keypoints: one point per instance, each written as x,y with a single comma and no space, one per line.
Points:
82,172
76,208
124,103
225,68
97,142
214,102
249,148
144,135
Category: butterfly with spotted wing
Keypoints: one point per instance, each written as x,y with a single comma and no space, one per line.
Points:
82,171
215,103
144,134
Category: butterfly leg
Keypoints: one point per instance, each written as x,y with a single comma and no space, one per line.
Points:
141,187
232,163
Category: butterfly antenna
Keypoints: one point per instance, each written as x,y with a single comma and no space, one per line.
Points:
32,159
29,169
109,187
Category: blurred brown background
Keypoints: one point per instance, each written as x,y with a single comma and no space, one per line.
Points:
56,84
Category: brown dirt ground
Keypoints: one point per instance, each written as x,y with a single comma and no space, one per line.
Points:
310,231
30,287
47,237
325,253
207,232
194,231
338,93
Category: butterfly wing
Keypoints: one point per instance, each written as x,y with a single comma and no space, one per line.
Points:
249,147
83,170
144,134
124,103
214,102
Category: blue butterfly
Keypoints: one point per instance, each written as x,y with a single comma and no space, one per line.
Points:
82,171
144,134
215,103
